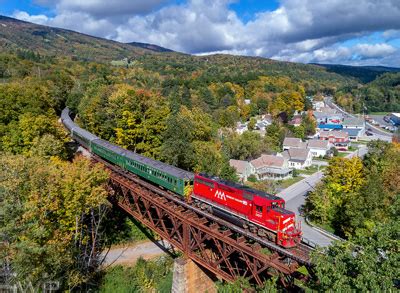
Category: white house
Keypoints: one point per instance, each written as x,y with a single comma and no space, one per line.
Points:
355,127
241,127
318,147
299,158
271,167
243,169
317,105
293,142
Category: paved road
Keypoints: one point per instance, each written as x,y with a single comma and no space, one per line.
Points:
378,132
295,196
130,254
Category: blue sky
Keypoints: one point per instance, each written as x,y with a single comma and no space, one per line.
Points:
363,32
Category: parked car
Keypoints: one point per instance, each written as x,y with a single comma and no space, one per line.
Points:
369,133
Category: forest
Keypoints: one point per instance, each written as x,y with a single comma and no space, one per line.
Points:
179,109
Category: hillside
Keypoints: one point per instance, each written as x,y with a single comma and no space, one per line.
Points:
150,47
364,74
17,34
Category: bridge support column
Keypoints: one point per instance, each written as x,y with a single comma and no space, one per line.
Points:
188,277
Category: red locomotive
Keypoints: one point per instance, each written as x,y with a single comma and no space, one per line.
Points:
258,211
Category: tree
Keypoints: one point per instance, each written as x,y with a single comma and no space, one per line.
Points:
252,123
342,182
365,264
53,215
35,134
309,124
274,136
242,147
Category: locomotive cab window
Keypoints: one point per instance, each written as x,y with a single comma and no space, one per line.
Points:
258,209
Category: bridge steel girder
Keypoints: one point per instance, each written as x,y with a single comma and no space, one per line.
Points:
213,246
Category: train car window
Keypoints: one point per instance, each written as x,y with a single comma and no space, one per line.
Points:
224,187
258,209
204,182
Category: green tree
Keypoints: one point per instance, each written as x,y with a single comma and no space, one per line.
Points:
53,213
252,123
274,136
366,264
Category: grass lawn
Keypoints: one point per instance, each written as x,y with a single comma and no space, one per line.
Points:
311,170
321,159
326,227
342,154
352,148
378,113
287,182
365,142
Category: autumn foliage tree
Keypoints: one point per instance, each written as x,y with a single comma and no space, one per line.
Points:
53,213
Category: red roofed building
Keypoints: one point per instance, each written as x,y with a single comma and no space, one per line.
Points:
339,139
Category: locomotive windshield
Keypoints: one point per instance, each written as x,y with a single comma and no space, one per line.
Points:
278,205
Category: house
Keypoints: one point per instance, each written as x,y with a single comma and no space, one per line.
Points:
317,105
271,167
243,169
339,139
328,120
318,148
299,158
267,118
296,120
355,127
395,118
293,142
241,127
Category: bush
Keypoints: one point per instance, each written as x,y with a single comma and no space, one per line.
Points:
252,178
152,275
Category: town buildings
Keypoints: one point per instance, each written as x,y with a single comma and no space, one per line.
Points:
271,167
339,139
293,142
243,169
318,148
298,158
355,127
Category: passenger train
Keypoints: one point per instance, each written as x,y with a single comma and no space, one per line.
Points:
257,211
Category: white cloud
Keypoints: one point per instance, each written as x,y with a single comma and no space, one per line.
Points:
298,30
374,50
39,19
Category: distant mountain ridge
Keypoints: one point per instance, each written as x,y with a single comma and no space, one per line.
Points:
21,35
363,73
18,34
151,47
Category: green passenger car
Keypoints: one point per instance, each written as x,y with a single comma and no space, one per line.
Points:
170,177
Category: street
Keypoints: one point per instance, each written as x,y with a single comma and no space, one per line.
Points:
295,196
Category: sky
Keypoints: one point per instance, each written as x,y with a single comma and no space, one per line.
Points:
353,32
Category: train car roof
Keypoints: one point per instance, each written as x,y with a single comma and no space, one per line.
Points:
283,211
85,133
117,149
239,186
172,170
66,119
